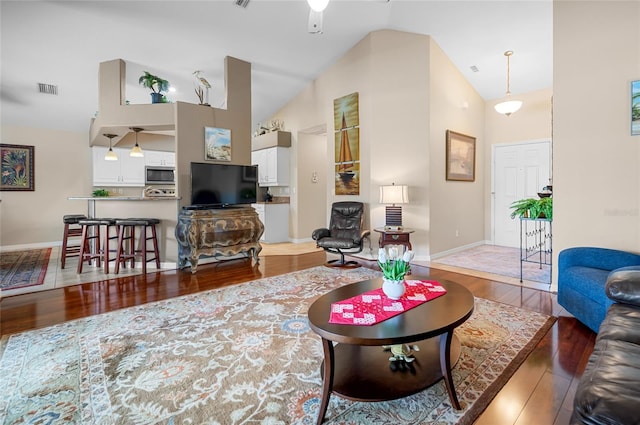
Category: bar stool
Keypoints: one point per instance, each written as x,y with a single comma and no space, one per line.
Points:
127,234
71,230
91,241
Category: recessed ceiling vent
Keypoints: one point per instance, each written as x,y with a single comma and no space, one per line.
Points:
474,68
48,88
241,3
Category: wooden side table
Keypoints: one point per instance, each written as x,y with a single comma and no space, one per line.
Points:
394,237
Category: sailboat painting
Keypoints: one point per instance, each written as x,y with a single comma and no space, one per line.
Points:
347,145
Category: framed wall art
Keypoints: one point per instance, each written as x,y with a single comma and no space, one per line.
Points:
460,157
346,124
635,108
17,168
217,144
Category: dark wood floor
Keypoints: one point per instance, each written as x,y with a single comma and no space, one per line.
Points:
540,392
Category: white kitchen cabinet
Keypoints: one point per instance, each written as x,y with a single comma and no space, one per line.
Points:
126,171
159,159
275,218
273,166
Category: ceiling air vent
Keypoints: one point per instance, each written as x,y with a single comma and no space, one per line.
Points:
241,3
48,88
474,68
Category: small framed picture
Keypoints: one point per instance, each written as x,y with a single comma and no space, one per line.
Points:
461,157
17,168
635,108
217,144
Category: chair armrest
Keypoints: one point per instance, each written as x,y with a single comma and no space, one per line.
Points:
623,285
364,234
320,233
599,258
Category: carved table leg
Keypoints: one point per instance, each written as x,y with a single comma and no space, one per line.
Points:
445,367
194,263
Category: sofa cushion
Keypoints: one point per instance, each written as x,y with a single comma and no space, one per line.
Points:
588,281
608,392
621,323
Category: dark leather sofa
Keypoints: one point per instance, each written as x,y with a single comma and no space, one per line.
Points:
609,390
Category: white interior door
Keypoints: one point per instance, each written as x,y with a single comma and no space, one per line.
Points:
519,171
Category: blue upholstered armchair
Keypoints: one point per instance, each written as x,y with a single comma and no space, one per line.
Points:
582,275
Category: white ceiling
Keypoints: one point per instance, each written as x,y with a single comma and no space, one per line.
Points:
62,43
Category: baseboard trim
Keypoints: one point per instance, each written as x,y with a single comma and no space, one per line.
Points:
36,245
457,249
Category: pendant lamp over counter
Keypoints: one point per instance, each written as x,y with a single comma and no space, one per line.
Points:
318,5
508,106
136,151
111,155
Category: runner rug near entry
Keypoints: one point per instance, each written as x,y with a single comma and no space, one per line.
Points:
239,354
23,268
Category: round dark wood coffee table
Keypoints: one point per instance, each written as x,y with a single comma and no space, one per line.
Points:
358,368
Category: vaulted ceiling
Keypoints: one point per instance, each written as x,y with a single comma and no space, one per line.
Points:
62,43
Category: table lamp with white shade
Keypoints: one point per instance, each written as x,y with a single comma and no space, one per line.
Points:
394,194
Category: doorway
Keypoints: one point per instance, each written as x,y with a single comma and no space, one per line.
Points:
519,170
311,181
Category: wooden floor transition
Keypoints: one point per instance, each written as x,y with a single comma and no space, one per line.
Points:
540,392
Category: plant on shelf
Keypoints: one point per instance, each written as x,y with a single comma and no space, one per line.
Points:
533,208
157,86
100,193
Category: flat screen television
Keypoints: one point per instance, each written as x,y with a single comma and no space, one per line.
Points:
222,185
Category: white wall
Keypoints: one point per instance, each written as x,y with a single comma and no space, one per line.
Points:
596,172
457,208
62,164
399,77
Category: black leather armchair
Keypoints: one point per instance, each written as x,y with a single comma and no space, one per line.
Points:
345,232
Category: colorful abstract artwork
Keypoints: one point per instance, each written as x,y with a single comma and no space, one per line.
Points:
17,168
635,108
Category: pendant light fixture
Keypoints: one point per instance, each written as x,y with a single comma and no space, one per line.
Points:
318,5
111,155
136,150
508,106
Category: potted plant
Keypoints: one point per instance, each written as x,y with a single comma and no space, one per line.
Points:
533,208
156,84
394,268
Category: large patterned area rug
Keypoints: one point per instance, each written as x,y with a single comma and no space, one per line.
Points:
23,268
500,260
237,355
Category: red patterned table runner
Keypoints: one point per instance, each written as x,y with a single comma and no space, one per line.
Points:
374,306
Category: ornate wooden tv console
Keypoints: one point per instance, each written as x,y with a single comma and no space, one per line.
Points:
217,232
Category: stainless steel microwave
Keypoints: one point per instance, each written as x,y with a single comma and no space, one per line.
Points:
159,175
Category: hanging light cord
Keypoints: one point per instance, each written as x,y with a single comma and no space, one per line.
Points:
508,54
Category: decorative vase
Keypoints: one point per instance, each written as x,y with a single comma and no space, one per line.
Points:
393,289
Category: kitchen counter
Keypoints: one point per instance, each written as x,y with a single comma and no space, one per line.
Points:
125,198
275,217
272,202
142,206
